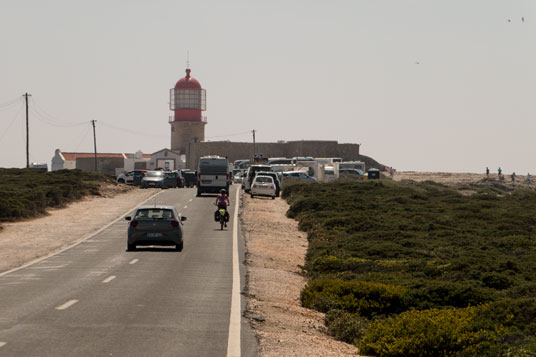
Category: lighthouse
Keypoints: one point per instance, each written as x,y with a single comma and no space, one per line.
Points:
188,101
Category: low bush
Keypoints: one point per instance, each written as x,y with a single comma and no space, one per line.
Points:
345,326
27,193
433,332
429,247
360,297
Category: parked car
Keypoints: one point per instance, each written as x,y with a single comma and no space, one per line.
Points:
189,178
251,175
273,175
154,179
132,177
263,186
172,178
155,225
300,175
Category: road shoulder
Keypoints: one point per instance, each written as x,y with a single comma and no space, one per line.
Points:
275,251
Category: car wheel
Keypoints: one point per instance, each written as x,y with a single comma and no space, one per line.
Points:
131,247
121,181
273,197
179,246
251,195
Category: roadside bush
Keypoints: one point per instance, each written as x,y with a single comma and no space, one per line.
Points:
364,298
345,326
27,192
432,332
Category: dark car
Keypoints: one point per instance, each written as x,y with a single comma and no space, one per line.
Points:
155,225
273,175
190,178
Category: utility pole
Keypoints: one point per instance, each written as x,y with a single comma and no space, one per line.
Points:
26,95
95,142
254,150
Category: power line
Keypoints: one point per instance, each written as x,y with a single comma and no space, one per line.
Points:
47,118
12,122
134,132
9,103
229,135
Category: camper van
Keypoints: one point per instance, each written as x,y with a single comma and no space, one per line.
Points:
212,174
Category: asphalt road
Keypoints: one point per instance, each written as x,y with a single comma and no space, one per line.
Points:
96,299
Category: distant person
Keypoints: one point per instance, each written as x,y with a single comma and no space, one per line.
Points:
513,177
487,171
528,180
499,172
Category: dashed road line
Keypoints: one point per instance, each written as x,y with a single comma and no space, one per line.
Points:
185,206
108,279
133,261
191,199
67,305
2,344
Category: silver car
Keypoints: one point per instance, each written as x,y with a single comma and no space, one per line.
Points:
155,225
154,179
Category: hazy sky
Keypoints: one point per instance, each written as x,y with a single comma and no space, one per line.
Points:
422,85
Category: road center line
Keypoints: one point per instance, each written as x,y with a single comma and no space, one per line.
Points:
185,206
191,199
67,305
2,344
108,279
233,341
133,261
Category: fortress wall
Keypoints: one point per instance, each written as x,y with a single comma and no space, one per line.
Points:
240,150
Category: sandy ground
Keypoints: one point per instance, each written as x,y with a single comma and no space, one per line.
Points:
23,242
276,249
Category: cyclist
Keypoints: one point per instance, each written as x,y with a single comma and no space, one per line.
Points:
222,201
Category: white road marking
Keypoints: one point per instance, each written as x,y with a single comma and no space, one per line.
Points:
185,206
233,340
133,261
55,267
108,279
2,344
191,199
58,253
67,305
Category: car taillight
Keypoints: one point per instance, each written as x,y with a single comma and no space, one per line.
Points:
134,224
254,186
175,223
272,187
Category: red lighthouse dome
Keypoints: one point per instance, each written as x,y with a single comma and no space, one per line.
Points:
188,99
188,82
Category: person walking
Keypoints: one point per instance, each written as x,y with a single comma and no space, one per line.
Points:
487,171
513,176
499,171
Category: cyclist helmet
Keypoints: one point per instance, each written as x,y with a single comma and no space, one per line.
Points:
223,191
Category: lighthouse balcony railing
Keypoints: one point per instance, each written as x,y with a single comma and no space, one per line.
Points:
203,119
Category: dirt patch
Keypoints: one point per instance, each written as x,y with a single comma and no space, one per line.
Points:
23,242
276,250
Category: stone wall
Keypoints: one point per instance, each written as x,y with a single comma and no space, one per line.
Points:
105,165
236,151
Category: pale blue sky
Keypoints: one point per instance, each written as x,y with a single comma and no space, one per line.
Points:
422,85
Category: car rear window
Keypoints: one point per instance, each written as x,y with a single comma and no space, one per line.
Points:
153,213
154,174
264,179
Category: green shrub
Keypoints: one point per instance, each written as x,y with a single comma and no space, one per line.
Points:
345,326
431,332
364,298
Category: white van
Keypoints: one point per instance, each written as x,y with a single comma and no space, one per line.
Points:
212,174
